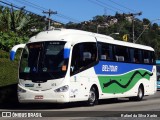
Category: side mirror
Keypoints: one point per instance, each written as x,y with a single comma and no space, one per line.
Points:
14,50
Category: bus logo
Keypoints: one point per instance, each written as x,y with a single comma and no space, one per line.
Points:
109,68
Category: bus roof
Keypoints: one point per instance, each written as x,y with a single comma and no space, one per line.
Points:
76,36
123,43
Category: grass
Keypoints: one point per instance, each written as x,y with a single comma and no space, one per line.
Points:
8,78
8,69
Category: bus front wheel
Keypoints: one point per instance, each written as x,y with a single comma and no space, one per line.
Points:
93,97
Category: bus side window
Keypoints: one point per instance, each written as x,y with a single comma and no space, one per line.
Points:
146,56
121,53
131,52
105,51
138,56
75,58
83,55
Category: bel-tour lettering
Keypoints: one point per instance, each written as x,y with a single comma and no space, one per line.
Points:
109,68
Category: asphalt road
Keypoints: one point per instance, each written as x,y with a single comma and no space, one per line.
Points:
148,108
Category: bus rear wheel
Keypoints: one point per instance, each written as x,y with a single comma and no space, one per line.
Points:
139,96
93,97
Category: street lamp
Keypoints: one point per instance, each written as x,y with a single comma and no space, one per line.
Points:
113,34
145,29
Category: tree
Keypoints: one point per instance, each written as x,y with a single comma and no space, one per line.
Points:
155,26
146,21
9,39
99,19
16,25
13,20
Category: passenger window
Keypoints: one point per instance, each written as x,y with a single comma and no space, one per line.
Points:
138,56
105,51
146,56
83,55
121,53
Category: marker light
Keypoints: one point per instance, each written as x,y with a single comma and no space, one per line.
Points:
21,90
62,89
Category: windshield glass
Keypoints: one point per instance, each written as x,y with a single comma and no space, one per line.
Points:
42,61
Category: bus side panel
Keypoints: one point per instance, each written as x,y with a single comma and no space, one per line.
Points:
118,80
123,79
81,83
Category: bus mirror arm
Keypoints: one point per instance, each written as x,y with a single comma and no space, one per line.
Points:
14,49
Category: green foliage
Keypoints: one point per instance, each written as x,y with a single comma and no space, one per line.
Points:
4,54
9,39
8,69
146,21
9,72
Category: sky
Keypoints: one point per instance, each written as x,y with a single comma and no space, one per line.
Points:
84,10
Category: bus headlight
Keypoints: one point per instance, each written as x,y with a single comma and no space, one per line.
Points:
21,90
62,89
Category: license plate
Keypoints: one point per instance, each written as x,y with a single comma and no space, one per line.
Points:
38,97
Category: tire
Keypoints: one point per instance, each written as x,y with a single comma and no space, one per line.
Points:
93,97
139,96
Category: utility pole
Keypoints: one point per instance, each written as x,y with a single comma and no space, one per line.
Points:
49,15
134,14
133,25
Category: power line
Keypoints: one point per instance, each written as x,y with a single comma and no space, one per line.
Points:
58,14
12,5
94,2
122,6
112,8
109,5
20,8
66,17
35,6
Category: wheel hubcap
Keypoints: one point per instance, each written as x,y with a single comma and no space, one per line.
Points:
140,93
92,96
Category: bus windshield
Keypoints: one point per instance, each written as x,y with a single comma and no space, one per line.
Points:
42,61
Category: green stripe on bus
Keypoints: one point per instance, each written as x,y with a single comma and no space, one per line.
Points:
122,83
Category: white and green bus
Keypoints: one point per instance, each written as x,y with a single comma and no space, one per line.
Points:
65,65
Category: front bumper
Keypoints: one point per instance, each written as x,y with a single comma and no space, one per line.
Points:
49,96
